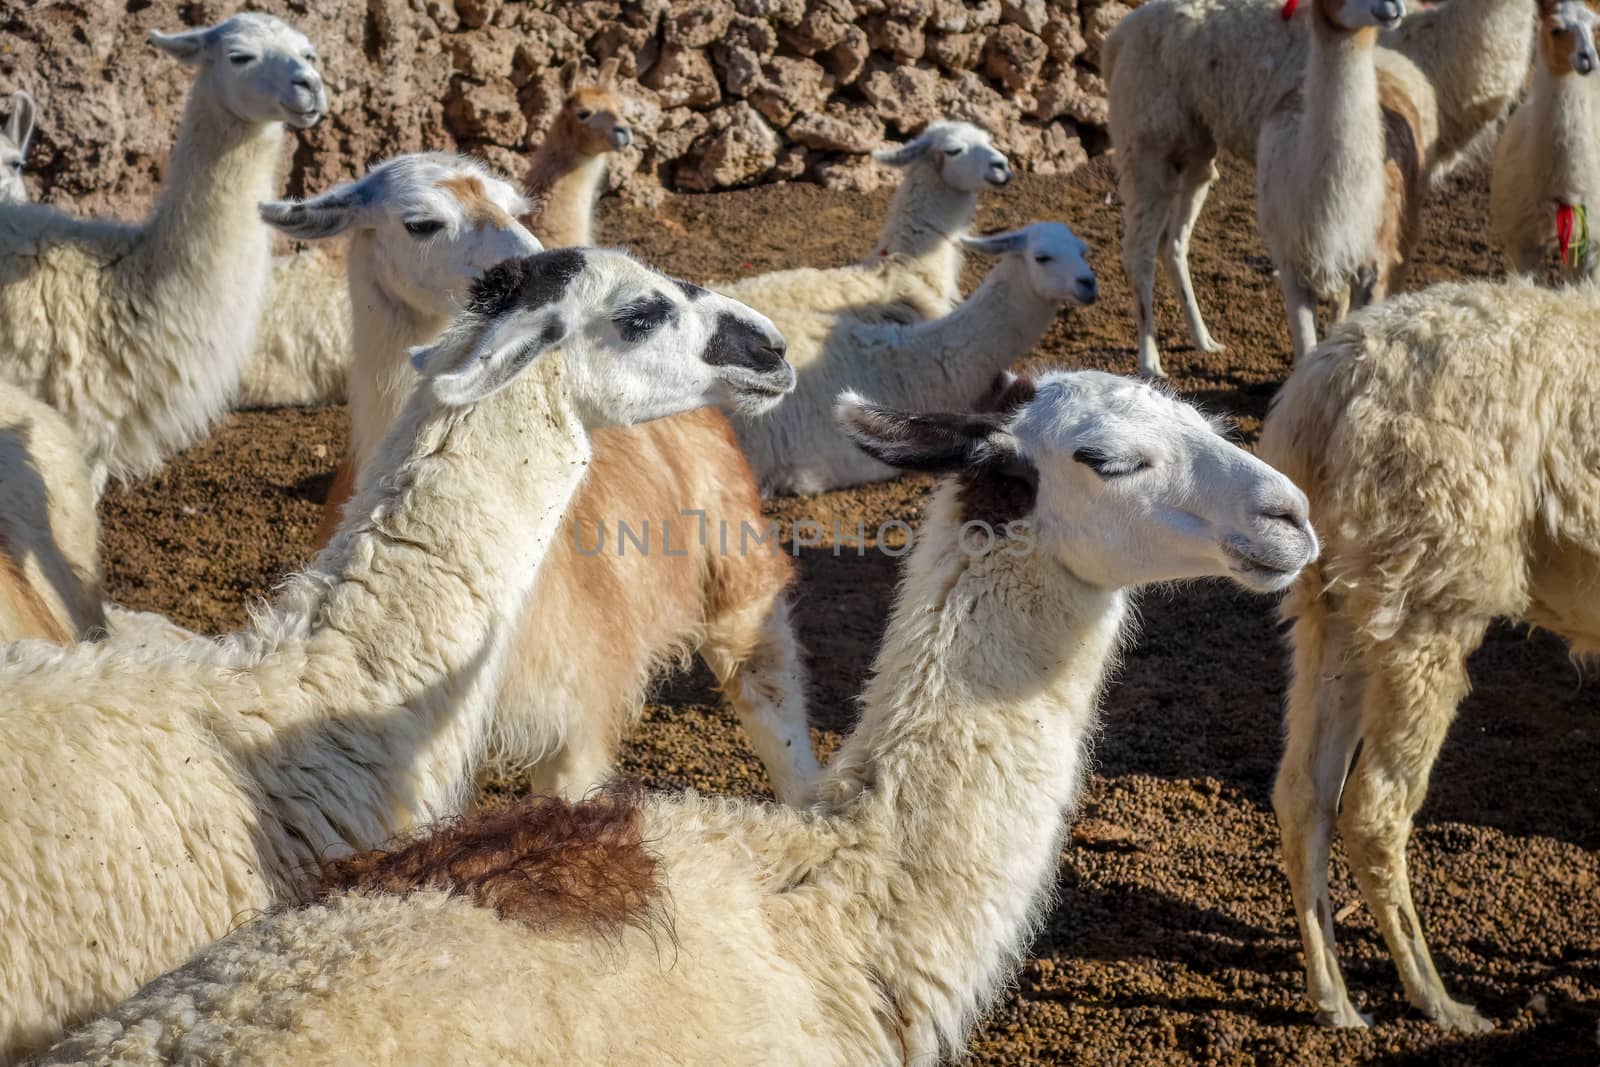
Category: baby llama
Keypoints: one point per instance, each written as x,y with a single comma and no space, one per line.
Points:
1338,169
174,789
876,927
14,137
136,333
1547,164
567,169
1449,442
1203,76
564,706
923,367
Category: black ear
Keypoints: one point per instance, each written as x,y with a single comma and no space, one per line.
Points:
1007,393
937,442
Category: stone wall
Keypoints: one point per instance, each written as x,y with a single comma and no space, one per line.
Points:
727,92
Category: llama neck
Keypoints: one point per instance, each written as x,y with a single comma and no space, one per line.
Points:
1338,171
970,748
1560,105
394,637
925,218
953,359
1476,57
384,327
567,183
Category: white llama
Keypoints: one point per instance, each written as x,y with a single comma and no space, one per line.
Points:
173,790
1447,440
1547,164
422,229
875,928
928,366
136,333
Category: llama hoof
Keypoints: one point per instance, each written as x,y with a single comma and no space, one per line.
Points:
1153,373
1462,1018
1211,346
1344,1017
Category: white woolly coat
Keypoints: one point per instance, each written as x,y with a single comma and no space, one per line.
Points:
875,930
302,353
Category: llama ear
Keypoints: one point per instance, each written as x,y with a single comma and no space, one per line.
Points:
463,372
569,76
935,443
996,244
186,48
322,216
1007,393
607,77
19,127
903,155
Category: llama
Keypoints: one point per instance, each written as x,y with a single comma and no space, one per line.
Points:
1446,440
49,553
175,789
1339,165
878,926
1204,76
927,366
1547,164
14,138
914,271
564,706
136,333
566,171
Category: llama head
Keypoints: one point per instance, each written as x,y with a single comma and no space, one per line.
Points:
1567,37
259,68
1052,258
591,117
436,222
1363,14
14,138
963,155
636,344
1127,485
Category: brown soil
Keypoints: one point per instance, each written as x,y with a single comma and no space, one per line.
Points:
1173,939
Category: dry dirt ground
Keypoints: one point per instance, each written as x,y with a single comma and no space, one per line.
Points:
1172,941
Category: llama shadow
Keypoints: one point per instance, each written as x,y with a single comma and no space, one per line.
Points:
25,503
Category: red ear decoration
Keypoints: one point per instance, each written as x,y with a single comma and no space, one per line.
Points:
1289,7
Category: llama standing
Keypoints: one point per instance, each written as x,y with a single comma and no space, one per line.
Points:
1547,164
565,706
1448,443
875,928
172,790
14,138
1339,165
569,166
137,333
1202,77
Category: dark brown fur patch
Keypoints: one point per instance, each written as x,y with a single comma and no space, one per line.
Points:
1003,491
544,862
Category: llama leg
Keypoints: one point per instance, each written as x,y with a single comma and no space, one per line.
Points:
1324,714
753,652
1194,184
1411,698
1301,305
582,762
1147,196
340,490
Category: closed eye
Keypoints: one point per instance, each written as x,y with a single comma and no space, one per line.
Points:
239,59
953,151
1108,466
638,318
584,114
1044,258
420,228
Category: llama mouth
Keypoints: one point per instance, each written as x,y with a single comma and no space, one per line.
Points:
1251,569
303,119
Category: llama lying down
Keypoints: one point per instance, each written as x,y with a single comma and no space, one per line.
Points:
875,927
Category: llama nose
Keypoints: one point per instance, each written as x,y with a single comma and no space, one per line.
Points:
1088,288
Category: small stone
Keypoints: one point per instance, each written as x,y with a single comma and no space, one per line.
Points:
838,128
905,97
904,41
788,86
955,51
683,76
852,174
1063,39
1098,23
696,23
1029,14
847,59
486,55
1013,57
476,13
739,149
484,113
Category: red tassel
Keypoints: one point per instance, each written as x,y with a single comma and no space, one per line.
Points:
1289,9
1566,224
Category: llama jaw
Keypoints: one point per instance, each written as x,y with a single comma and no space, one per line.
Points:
1265,569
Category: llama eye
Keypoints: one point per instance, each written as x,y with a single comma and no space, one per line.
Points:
953,151
16,166
1044,259
239,59
423,227
1107,466
584,114
635,320
309,57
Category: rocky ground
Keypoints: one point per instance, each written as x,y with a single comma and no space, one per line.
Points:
1172,941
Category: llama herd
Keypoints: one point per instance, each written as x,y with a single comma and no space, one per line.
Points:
265,847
